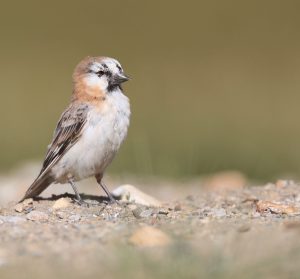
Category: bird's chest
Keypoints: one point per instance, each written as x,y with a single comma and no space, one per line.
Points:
107,125
102,135
105,133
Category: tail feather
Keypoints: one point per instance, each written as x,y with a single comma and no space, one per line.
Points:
37,187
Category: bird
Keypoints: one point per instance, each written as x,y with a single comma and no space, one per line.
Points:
91,129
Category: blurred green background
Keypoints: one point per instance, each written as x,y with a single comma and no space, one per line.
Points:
215,83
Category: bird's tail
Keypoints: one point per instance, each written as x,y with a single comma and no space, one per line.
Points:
38,186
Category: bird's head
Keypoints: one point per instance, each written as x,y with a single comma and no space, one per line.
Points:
99,75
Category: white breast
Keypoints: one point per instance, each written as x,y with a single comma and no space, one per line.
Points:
101,138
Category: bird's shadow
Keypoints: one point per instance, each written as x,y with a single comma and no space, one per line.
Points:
99,199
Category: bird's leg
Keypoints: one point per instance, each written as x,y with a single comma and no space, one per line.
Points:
108,193
79,200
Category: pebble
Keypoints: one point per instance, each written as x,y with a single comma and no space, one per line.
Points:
137,212
74,218
27,202
37,216
276,208
147,236
19,207
61,215
219,212
146,213
130,193
141,212
244,228
255,215
177,207
12,219
61,203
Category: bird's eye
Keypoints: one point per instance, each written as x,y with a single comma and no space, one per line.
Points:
119,68
100,73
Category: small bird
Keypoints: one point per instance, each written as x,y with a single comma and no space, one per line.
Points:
90,131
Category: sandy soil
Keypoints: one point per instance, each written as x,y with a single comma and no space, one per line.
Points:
235,231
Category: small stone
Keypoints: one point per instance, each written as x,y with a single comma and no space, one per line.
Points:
177,207
244,228
37,216
225,181
146,213
256,215
137,212
219,212
27,202
292,225
132,207
163,211
74,218
276,208
12,219
281,183
149,237
19,207
190,198
130,193
61,203
61,215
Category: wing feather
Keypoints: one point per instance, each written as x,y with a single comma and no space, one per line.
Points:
67,132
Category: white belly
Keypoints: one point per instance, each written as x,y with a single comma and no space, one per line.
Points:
101,138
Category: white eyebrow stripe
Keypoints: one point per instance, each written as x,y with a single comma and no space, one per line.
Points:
95,67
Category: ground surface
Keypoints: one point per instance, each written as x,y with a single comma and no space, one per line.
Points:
196,232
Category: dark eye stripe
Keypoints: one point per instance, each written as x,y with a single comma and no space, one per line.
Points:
119,68
100,73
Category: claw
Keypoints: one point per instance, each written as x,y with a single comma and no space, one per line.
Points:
82,203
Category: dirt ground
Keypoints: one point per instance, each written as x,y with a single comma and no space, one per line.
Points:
213,228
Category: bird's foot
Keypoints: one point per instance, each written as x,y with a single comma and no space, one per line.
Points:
111,200
82,203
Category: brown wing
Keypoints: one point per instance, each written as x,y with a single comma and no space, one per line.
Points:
67,132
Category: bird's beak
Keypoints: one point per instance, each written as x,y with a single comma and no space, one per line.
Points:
117,79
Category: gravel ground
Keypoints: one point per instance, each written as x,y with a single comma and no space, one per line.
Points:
229,232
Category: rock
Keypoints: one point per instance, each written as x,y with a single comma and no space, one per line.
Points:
61,203
225,181
255,215
27,202
284,183
149,237
132,207
130,193
25,206
137,212
37,216
142,212
163,211
219,212
19,207
244,228
292,225
276,208
12,219
61,215
74,218
177,207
